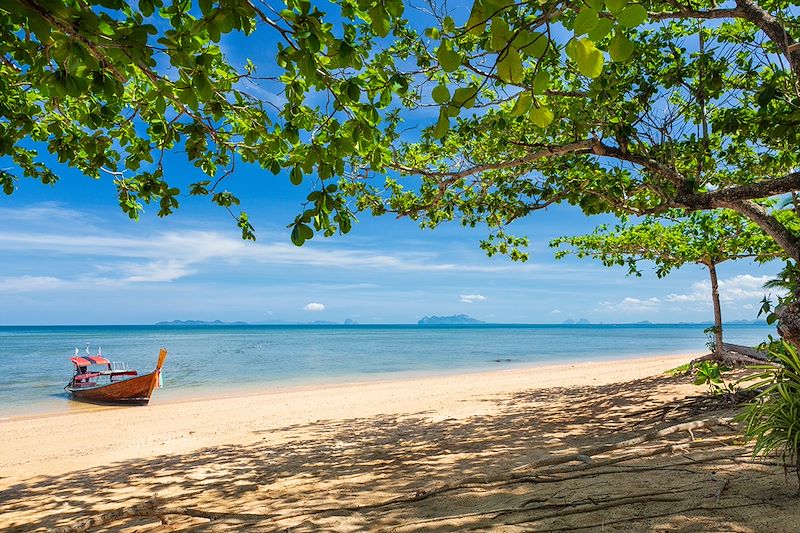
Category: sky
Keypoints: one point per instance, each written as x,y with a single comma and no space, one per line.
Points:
68,255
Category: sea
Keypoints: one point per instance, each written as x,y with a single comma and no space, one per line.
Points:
210,361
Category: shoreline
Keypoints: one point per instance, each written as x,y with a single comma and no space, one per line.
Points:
58,443
452,453
243,390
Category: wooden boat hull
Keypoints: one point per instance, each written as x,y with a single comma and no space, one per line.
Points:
135,390
131,391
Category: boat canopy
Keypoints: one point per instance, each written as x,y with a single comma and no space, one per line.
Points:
87,360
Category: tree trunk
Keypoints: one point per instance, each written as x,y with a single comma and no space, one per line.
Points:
789,321
712,270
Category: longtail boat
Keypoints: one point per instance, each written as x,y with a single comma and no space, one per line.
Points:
97,379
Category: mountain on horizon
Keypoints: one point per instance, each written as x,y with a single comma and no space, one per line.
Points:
451,319
582,321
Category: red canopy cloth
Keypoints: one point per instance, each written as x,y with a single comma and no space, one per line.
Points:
87,360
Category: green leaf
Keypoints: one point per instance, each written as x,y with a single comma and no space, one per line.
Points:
380,20
586,20
440,94
531,44
432,33
476,24
296,175
620,47
442,126
448,25
570,48
632,16
541,116
465,97
588,58
522,104
509,68
301,233
500,34
541,82
451,110
615,6
597,5
602,29
449,59
395,8
353,91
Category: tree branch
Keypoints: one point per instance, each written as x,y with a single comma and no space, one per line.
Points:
772,227
752,191
672,175
684,13
579,147
747,10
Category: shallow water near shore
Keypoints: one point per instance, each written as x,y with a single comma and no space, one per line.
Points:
208,360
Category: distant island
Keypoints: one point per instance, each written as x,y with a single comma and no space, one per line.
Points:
580,321
200,323
452,319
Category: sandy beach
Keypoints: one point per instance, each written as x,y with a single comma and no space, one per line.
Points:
540,448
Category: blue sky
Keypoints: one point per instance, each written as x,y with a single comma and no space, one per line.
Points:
70,256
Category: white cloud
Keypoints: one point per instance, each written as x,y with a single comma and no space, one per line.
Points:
44,213
29,284
555,312
156,271
735,289
629,304
192,247
314,307
470,298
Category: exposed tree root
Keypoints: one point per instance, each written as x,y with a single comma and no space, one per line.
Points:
711,508
732,358
535,472
147,508
746,350
576,508
661,450
693,406
561,509
652,435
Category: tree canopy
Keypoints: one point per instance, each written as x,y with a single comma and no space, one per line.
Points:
616,106
673,240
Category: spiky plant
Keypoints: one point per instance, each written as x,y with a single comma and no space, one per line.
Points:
772,420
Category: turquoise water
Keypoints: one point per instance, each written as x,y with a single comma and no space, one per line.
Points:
203,360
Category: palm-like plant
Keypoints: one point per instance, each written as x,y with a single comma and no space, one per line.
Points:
772,420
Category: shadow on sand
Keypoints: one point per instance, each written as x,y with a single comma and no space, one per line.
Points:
329,476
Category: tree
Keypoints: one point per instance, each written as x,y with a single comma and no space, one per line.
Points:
706,238
615,106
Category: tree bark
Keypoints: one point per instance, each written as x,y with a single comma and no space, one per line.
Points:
789,321
712,271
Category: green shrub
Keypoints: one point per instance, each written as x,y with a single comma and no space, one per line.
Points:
710,374
772,420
